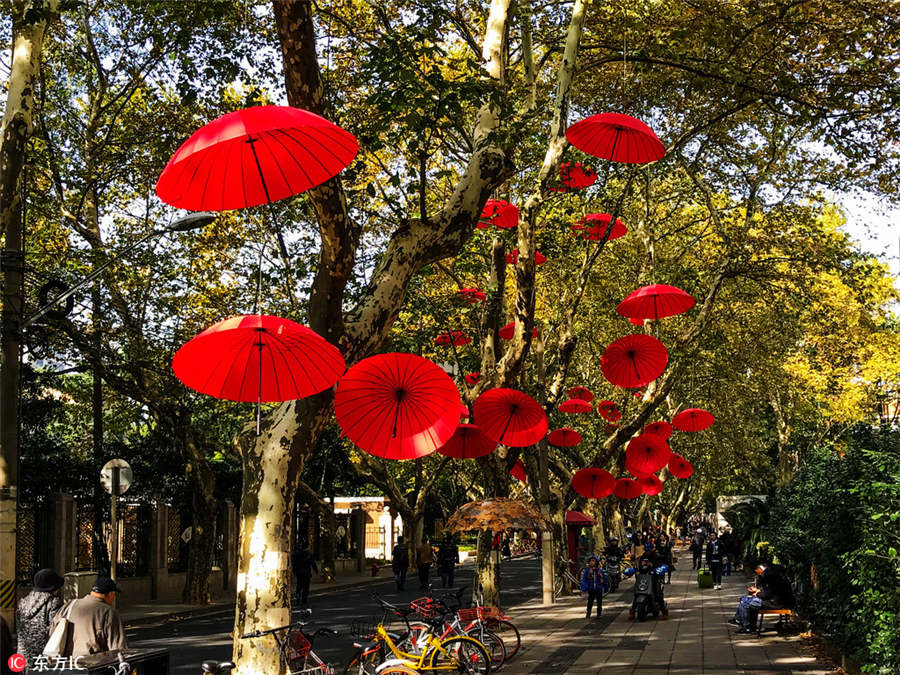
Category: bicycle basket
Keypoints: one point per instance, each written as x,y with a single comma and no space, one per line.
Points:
313,670
424,607
492,614
297,646
468,614
364,629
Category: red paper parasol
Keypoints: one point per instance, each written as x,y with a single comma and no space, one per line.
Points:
467,442
472,379
518,470
680,467
651,485
564,438
575,176
655,302
634,360
616,137
637,473
594,225
647,453
626,488
661,429
609,411
575,405
693,419
513,258
507,332
499,213
397,406
510,417
472,295
581,392
455,337
593,483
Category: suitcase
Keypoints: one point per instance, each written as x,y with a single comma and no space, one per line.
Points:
704,578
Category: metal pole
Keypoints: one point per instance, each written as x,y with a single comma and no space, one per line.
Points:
114,548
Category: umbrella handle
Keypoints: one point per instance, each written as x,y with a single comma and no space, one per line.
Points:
262,179
508,420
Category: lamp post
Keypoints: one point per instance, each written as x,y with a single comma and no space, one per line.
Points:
13,322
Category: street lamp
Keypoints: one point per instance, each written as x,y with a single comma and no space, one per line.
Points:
11,337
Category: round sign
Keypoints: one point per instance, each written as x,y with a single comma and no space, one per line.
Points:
116,476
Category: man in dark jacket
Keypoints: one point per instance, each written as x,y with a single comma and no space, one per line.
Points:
35,613
696,549
304,565
447,558
400,562
595,583
714,559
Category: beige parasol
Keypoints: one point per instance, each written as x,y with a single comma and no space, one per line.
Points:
496,514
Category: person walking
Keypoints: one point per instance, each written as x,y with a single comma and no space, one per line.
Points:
696,549
304,565
96,623
400,562
727,544
35,613
505,549
714,559
637,546
447,558
664,550
425,559
595,583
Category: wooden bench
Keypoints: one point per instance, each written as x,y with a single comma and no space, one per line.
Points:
780,613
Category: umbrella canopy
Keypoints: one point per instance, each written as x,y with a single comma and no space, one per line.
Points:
472,295
455,337
499,213
637,322
680,467
578,518
594,225
581,392
575,405
661,429
260,358
616,137
626,488
512,258
575,176
472,379
647,453
467,442
609,411
507,332
496,514
518,471
510,417
593,483
655,302
564,438
651,485
693,419
637,473
634,360
397,406
254,156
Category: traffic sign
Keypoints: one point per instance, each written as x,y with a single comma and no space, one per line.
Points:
116,476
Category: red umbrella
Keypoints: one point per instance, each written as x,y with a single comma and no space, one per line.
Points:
693,419
472,295
680,467
463,411
655,302
610,428
499,213
507,332
258,358
513,257
609,411
473,379
637,473
581,392
616,137
634,360
593,483
518,470
626,488
564,438
637,322
467,442
397,406
575,176
510,417
594,225
455,337
651,485
575,405
661,429
647,453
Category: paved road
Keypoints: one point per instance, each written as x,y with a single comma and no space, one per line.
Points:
191,641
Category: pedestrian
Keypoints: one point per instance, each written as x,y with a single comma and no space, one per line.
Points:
727,544
400,562
714,559
425,559
304,565
96,623
595,583
447,558
35,613
505,549
696,549
637,545
664,549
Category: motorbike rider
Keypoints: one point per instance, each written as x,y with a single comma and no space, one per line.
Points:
612,556
650,563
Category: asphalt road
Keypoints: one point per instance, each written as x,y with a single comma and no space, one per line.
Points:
192,641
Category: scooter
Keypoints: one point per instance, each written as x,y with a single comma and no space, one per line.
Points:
613,572
648,591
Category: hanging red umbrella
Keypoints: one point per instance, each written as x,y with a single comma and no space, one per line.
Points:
518,470
583,393
610,428
513,257
455,337
680,467
510,417
647,453
593,483
397,406
575,176
499,213
616,137
507,332
634,360
564,438
693,419
575,405
463,411
472,295
467,442
637,322
661,429
594,225
609,411
651,485
637,473
655,302
626,488
472,379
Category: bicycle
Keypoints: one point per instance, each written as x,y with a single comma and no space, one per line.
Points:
295,648
495,620
561,580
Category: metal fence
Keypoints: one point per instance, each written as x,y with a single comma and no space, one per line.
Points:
27,538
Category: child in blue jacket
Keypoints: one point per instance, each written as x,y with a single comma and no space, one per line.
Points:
595,582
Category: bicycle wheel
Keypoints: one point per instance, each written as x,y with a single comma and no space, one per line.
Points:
509,634
460,654
493,644
398,670
363,664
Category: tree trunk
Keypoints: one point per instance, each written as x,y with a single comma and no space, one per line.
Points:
203,528
487,570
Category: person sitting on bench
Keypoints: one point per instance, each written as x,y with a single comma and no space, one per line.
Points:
750,603
775,591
